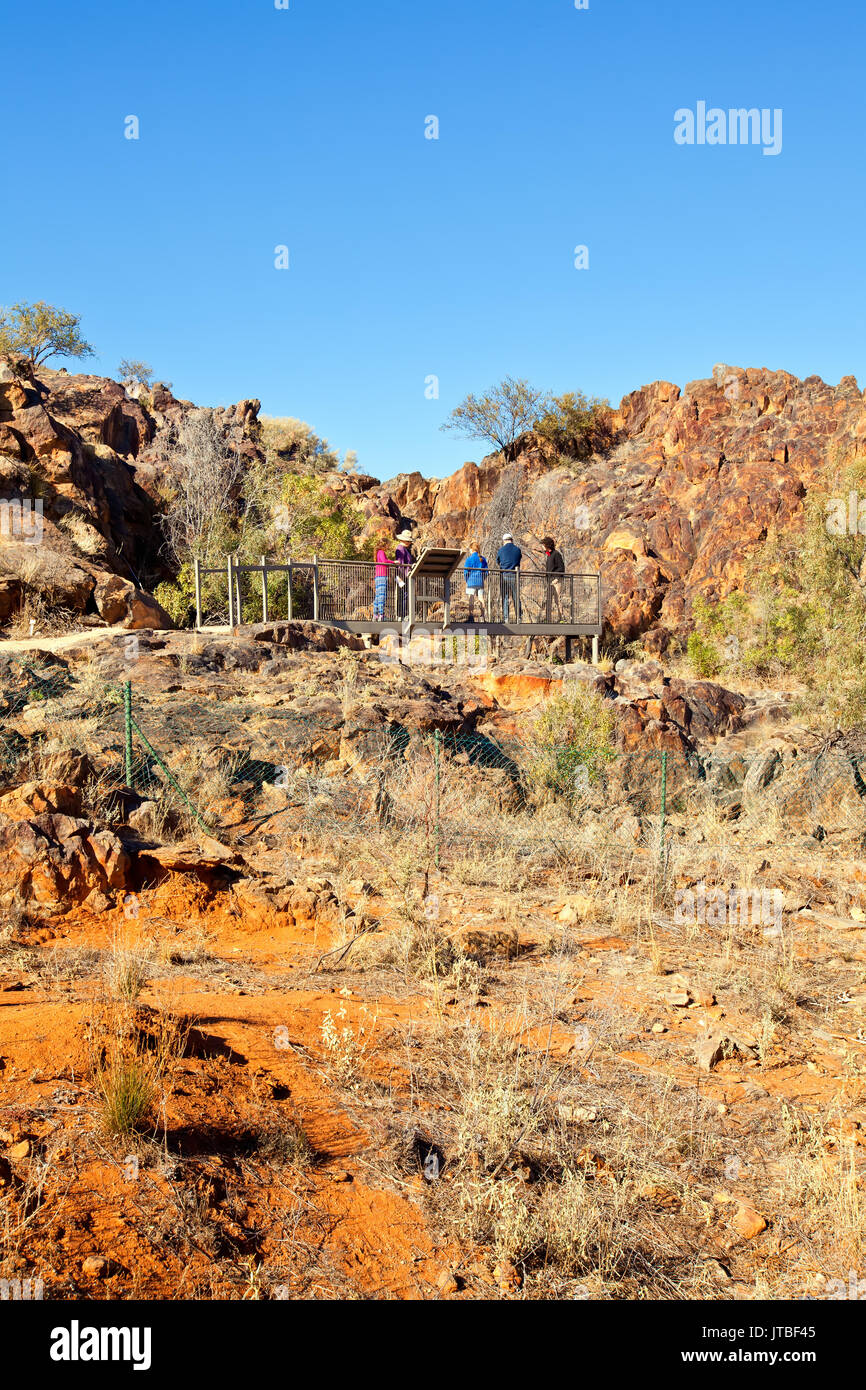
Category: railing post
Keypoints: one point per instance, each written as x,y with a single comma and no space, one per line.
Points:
437,738
239,612
264,588
315,588
664,802
197,574
231,594
127,731
446,606
594,650
290,589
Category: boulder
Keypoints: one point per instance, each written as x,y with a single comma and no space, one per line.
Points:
57,860
143,611
40,798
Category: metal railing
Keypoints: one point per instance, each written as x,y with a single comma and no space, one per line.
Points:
521,596
358,591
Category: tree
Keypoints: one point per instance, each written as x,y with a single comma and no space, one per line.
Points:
576,425
290,445
39,331
204,476
129,369
500,416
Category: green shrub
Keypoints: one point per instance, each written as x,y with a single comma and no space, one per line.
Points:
178,599
799,615
569,741
703,655
576,425
127,1087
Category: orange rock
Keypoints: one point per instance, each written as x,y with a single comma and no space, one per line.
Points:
747,1222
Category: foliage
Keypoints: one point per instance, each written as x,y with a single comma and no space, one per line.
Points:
704,656
290,444
203,477
576,425
311,521
800,612
500,416
273,512
178,599
569,741
39,331
130,369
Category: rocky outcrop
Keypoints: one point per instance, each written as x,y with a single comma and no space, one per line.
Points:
57,860
697,478
83,457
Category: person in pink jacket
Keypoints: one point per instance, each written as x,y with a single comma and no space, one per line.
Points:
381,574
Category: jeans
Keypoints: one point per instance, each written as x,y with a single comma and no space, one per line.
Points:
510,594
381,594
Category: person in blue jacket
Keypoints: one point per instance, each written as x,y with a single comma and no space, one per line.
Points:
508,559
475,571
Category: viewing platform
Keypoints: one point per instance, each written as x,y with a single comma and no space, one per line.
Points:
430,595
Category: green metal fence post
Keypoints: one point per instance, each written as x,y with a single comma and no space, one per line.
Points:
436,741
663,809
127,730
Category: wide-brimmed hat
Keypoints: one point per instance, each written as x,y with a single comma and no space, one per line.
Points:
404,535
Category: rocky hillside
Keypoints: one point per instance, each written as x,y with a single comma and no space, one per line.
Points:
90,451
697,477
404,1022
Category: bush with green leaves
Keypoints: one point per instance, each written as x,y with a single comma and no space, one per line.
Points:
577,426
39,331
799,614
568,742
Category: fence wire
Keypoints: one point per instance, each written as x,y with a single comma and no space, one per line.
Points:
232,767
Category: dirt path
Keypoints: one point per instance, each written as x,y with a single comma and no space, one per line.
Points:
68,639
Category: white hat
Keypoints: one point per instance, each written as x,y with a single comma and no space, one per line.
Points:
404,535
508,536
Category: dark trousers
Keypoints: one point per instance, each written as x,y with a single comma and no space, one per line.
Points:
510,593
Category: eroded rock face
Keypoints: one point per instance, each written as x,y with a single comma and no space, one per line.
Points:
92,455
698,477
57,860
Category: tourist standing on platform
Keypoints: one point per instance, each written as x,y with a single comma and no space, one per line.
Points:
381,574
404,560
475,570
508,559
554,568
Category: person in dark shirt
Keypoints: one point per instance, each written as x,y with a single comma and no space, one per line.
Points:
554,568
508,559
404,560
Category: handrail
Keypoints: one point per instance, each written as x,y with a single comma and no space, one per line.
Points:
366,591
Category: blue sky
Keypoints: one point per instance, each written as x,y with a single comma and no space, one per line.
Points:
453,257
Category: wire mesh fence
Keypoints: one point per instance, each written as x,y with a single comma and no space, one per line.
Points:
234,770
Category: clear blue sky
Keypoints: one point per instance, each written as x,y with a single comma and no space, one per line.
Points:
410,257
